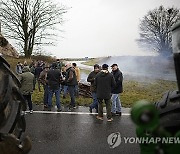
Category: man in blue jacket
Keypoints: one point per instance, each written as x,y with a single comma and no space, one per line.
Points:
116,90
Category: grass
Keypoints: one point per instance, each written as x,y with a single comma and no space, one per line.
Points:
85,71
37,98
152,92
91,62
133,92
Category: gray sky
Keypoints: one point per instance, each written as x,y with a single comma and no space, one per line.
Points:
96,28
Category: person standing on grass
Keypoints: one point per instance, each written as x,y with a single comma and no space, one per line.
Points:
32,70
54,79
64,85
104,82
26,79
91,79
38,71
43,81
71,82
116,103
78,76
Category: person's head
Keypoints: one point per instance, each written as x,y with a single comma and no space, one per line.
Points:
58,61
25,63
105,67
74,64
114,67
54,65
96,68
46,67
63,69
26,69
68,65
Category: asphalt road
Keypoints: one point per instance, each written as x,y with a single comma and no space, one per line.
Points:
78,133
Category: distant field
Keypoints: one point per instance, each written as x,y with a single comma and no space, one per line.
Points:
92,62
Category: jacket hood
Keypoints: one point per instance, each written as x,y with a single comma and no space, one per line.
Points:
104,72
26,69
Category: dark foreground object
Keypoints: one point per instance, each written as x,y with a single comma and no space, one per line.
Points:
78,134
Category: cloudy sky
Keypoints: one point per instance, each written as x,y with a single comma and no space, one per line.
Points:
96,28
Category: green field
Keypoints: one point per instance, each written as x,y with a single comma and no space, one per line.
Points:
91,62
133,92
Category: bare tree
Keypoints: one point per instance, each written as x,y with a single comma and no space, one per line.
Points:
155,29
31,23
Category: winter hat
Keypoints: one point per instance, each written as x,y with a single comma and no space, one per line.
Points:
105,66
114,65
26,69
54,65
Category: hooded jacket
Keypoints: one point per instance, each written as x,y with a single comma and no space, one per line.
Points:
104,82
54,78
119,79
26,79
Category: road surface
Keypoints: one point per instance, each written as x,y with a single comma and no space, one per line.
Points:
77,132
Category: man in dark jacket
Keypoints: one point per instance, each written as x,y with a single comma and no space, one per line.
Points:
71,82
116,103
54,79
43,81
38,71
104,82
91,79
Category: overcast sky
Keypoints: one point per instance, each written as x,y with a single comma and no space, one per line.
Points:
96,28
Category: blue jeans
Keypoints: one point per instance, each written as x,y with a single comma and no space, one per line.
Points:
116,103
57,94
95,101
71,90
65,90
77,90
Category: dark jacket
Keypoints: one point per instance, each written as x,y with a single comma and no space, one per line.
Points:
91,79
54,79
104,82
71,79
119,79
38,71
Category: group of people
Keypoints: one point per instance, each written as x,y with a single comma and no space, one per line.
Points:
105,86
54,78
